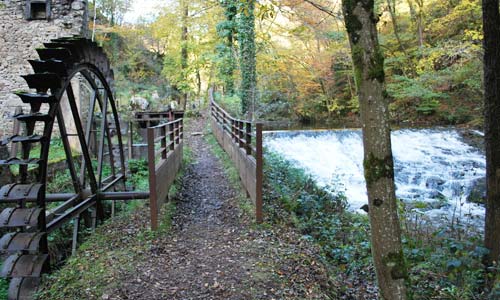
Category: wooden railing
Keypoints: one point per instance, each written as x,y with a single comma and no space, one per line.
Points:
165,146
141,121
242,141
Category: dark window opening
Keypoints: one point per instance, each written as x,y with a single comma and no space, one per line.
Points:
38,10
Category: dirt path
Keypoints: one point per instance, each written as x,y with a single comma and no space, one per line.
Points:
212,251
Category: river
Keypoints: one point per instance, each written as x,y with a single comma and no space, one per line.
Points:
436,171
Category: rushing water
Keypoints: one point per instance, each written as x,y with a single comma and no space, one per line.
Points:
435,170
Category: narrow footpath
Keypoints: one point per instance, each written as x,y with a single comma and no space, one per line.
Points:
214,251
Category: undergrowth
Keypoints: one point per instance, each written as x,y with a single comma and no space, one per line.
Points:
4,286
139,174
292,198
444,263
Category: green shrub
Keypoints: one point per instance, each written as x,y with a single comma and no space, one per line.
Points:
428,107
292,196
232,104
4,287
443,264
139,174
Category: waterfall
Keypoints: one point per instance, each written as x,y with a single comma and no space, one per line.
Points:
436,172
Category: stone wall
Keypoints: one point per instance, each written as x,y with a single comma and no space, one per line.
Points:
20,37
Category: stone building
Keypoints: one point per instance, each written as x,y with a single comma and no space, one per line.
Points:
24,26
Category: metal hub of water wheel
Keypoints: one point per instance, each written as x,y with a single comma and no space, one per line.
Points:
87,122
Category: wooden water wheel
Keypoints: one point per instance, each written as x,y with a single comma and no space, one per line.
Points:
70,97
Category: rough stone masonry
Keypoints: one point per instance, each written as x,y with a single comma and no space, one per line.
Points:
25,26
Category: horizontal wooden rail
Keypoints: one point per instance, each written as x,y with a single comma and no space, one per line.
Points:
165,147
237,137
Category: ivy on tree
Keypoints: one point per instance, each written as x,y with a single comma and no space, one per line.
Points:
227,31
246,38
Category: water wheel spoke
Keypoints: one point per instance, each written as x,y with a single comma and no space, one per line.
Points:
88,132
119,136
67,149
100,161
81,137
104,101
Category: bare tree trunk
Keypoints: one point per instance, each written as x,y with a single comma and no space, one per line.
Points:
368,63
418,19
391,5
420,23
491,27
198,82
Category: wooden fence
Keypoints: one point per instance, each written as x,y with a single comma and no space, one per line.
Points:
242,141
165,146
141,121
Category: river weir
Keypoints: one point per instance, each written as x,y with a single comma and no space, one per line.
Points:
437,173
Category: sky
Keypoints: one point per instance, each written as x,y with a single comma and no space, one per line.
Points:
146,9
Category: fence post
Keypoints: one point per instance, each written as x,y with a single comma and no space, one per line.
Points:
240,134
224,122
177,132
233,129
259,173
163,132
130,141
248,138
172,136
181,130
153,201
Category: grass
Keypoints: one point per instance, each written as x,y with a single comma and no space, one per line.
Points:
234,178
99,260
56,154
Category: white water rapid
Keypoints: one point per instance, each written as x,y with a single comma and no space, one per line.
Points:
435,170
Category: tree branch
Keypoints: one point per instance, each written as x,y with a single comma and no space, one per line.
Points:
321,7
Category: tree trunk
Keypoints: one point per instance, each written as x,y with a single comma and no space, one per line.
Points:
198,82
246,37
491,26
231,12
184,48
368,63
391,6
420,23
417,19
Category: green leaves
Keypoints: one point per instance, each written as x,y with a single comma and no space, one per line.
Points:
405,87
453,264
